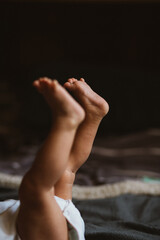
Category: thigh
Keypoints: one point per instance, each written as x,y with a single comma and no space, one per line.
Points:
41,218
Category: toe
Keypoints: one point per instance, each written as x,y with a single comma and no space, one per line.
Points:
54,84
72,80
36,84
44,85
82,80
45,80
68,85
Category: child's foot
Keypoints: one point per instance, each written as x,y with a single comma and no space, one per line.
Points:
61,103
95,106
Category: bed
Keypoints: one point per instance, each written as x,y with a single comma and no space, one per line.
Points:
121,199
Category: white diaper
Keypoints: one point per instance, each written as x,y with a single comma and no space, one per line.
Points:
75,222
8,214
9,210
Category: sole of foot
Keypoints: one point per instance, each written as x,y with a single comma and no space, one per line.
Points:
93,104
62,104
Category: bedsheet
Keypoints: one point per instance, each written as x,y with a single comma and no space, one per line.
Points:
115,158
126,217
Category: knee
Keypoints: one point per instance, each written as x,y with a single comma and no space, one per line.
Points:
26,188
31,190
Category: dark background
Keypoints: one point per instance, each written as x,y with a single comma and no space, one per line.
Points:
114,46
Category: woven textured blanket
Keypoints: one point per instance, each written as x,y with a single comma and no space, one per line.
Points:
126,217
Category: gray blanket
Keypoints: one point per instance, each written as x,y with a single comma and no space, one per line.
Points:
127,217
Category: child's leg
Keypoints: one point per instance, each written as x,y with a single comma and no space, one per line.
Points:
95,108
40,217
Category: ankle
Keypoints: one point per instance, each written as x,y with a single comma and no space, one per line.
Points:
68,122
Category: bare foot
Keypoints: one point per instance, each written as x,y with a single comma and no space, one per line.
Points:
95,106
60,101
